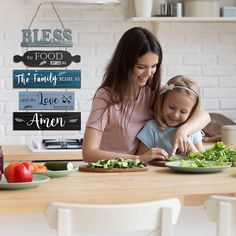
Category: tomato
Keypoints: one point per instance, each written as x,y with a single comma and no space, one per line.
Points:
18,172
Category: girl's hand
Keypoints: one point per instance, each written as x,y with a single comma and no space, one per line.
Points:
153,153
180,142
189,147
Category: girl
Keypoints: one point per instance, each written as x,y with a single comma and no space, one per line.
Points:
124,102
179,101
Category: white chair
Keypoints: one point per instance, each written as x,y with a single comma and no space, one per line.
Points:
222,210
151,218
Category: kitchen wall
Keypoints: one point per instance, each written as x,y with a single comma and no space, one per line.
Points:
206,52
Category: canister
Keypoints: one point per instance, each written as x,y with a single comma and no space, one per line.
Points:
228,133
177,9
202,8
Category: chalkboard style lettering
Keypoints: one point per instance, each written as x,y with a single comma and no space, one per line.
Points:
46,121
49,100
46,38
46,79
55,58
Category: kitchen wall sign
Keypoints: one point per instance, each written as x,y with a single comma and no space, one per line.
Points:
56,58
46,100
63,79
46,38
46,121
46,79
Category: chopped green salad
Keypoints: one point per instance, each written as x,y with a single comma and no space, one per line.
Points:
117,163
203,163
218,155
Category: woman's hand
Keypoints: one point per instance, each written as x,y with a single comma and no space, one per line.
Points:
180,142
153,153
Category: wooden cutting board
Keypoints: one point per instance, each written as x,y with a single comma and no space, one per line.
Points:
85,168
215,126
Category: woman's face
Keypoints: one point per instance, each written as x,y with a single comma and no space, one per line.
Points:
144,68
177,108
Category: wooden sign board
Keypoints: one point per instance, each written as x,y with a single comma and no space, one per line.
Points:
46,100
46,38
46,79
55,58
46,121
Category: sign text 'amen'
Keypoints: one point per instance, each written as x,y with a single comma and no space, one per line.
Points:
46,121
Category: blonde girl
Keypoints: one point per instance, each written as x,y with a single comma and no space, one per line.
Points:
179,101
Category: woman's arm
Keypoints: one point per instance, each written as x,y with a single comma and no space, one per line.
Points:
195,123
92,153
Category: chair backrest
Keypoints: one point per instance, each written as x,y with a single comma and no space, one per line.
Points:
151,218
222,210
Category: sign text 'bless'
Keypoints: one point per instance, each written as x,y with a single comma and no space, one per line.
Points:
46,38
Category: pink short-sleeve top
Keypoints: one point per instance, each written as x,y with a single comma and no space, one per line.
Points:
119,135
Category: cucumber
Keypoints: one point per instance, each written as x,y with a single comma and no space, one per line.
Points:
59,165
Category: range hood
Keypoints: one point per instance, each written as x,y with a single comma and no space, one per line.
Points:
113,2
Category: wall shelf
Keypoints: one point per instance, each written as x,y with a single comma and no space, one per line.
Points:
113,2
184,19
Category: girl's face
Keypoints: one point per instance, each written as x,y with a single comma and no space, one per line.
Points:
177,107
144,68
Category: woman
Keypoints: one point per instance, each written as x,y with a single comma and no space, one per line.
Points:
124,102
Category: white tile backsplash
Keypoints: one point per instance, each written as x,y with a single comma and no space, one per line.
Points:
206,52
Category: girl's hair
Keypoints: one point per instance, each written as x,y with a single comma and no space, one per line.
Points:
117,81
182,84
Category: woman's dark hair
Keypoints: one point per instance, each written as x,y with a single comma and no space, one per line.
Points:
133,44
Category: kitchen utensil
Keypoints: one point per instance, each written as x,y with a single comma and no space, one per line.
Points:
84,168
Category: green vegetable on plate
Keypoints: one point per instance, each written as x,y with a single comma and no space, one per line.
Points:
55,166
117,163
218,155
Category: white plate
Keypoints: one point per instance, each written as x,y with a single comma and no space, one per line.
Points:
37,180
57,173
175,165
